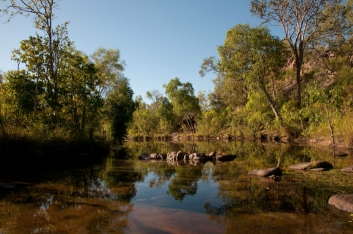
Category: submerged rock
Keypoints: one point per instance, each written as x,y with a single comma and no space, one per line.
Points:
224,158
312,165
300,166
197,156
342,202
340,154
275,171
347,169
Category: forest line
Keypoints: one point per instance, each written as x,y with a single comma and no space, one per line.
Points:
266,87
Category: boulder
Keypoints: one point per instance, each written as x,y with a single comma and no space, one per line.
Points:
322,164
197,156
347,169
300,166
312,165
276,171
144,156
212,155
154,155
172,155
181,155
224,158
340,154
162,156
342,202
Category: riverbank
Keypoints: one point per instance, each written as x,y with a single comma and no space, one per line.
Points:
261,137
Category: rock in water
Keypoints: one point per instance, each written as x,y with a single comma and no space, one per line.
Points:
312,165
276,171
342,202
347,169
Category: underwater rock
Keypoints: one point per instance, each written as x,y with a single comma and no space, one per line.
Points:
342,202
276,171
224,158
347,169
312,165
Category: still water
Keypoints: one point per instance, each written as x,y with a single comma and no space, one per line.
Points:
125,195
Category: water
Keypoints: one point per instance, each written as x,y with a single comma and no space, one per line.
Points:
122,195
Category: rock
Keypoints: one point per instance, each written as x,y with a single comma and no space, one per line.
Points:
181,155
300,166
143,156
342,202
224,158
321,164
154,155
312,165
347,169
212,154
276,171
340,154
172,155
162,156
197,156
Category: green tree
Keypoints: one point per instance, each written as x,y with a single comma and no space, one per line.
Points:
109,68
300,20
55,37
82,101
120,107
256,57
182,98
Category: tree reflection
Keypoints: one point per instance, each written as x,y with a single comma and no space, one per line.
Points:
185,181
93,200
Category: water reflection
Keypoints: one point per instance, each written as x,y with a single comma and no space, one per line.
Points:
126,195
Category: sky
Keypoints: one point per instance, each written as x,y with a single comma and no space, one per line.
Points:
158,39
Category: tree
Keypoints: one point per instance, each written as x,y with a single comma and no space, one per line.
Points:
109,68
120,107
256,57
182,98
81,99
300,20
42,10
162,109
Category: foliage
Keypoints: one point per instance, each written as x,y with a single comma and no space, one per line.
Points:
120,107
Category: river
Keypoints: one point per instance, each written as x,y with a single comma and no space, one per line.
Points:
122,194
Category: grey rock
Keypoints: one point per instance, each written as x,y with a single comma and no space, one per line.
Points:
312,165
347,169
342,202
276,171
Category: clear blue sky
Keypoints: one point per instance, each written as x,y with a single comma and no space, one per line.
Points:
158,39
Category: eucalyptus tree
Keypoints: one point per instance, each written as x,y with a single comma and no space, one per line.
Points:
185,103
42,12
143,120
300,20
18,96
119,107
162,110
256,57
36,54
109,68
182,97
81,99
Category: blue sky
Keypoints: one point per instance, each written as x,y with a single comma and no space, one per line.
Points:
158,39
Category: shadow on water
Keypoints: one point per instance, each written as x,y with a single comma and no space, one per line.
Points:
121,194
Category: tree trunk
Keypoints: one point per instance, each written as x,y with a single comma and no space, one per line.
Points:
298,71
271,102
